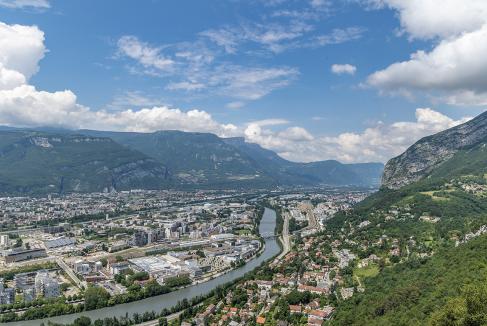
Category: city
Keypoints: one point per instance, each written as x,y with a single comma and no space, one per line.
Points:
162,244
243,163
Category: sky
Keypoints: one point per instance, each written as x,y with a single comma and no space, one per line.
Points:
351,80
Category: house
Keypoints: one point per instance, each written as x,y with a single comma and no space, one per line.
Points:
313,289
295,309
264,284
314,321
260,320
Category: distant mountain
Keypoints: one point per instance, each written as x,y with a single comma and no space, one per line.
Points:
421,159
370,173
328,172
57,160
195,159
38,162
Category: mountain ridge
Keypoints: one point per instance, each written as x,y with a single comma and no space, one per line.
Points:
429,152
162,159
33,162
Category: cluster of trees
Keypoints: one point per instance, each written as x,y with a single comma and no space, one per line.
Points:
420,290
128,278
469,308
178,281
295,225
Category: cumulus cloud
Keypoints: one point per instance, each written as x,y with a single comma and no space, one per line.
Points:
426,19
21,49
378,143
340,69
21,104
277,141
455,69
10,78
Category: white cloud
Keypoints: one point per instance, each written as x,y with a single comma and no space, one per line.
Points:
455,70
378,143
269,122
14,4
249,83
338,36
21,104
223,37
10,78
21,48
187,86
194,65
340,69
319,4
425,19
235,105
24,106
287,139
133,99
143,53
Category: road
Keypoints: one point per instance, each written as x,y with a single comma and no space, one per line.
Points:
70,273
285,240
313,225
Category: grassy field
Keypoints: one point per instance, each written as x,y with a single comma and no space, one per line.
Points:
369,271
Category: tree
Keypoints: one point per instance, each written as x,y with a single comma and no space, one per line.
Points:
96,297
82,321
468,310
282,311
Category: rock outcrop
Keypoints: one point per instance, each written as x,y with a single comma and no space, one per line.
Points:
424,156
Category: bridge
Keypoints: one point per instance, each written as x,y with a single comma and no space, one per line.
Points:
268,235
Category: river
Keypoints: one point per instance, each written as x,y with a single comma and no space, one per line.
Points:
168,300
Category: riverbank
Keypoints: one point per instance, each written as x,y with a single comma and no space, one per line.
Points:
166,301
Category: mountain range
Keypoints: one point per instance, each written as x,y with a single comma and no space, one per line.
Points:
47,160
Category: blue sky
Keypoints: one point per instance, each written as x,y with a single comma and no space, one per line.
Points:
310,79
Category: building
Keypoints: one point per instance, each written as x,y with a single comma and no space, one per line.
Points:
140,238
4,240
24,281
16,255
82,267
29,294
7,295
118,268
58,243
45,285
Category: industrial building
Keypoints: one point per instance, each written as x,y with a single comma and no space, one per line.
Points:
15,255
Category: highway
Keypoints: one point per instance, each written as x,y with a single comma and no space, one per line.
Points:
285,240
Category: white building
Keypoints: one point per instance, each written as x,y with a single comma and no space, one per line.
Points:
4,242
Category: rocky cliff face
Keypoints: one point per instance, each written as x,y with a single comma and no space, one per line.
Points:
428,153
